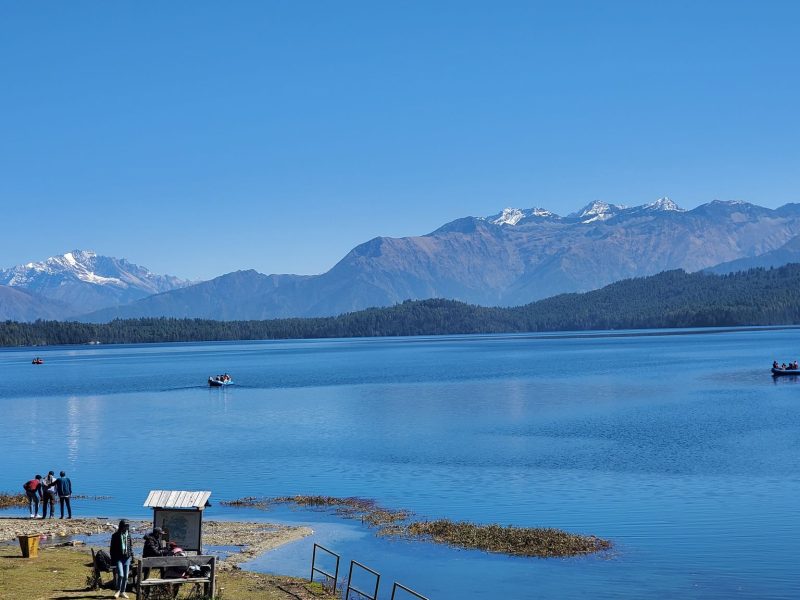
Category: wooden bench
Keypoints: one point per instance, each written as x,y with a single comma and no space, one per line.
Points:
177,563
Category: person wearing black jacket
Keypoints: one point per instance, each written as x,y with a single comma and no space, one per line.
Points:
121,551
153,547
152,543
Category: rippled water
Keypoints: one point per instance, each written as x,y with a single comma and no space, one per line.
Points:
680,448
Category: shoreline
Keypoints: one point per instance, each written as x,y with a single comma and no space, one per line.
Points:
250,538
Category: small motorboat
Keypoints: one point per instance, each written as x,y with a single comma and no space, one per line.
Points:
777,371
220,380
37,361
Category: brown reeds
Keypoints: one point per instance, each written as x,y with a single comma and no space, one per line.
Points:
516,541
351,508
12,500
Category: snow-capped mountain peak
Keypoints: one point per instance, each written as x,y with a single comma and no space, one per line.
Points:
95,280
597,211
78,264
509,216
512,216
664,204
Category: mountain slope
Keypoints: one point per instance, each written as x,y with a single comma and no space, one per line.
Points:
510,258
238,295
670,299
788,253
19,305
81,281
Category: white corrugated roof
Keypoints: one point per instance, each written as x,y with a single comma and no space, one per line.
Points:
176,499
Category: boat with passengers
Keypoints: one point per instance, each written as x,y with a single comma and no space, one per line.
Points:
783,369
220,380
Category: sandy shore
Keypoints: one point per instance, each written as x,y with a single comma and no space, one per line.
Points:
251,538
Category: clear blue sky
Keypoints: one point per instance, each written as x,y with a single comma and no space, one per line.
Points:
197,138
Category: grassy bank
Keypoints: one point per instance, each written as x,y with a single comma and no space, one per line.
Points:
61,573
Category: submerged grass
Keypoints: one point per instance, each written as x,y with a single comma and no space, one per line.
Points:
12,500
364,509
516,541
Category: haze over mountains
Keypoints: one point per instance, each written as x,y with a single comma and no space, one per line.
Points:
511,258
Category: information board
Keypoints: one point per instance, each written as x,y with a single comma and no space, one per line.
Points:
184,527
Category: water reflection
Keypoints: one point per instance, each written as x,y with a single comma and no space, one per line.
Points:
73,429
681,449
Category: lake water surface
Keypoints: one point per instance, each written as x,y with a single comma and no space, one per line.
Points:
680,448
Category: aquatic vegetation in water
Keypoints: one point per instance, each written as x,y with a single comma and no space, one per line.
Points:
247,502
12,500
517,541
364,509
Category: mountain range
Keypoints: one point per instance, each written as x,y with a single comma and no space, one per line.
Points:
511,258
671,299
75,283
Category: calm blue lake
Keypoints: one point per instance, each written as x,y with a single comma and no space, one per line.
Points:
680,448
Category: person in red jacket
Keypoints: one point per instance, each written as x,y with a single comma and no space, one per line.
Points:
33,490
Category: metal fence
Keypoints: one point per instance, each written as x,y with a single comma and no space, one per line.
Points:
314,569
400,586
351,587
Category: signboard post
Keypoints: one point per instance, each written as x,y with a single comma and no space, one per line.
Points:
180,515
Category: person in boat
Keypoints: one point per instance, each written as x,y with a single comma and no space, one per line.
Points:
783,366
775,364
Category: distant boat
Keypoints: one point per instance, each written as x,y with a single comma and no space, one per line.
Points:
37,361
220,380
778,371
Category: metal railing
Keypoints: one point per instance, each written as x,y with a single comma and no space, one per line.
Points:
351,587
333,577
397,586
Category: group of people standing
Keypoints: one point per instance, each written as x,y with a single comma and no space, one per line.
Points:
47,489
121,552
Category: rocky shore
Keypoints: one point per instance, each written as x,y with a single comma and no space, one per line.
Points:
250,538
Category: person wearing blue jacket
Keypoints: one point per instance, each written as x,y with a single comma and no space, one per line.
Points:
64,489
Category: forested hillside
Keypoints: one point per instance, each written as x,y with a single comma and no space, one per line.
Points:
669,299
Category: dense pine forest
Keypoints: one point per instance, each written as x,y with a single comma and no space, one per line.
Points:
669,299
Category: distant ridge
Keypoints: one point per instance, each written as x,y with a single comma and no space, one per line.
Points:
788,253
81,281
19,305
507,259
669,299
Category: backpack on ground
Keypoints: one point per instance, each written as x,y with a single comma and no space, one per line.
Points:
102,560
